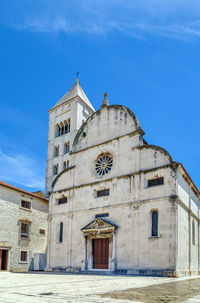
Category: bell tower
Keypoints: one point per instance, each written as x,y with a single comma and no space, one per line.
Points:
65,119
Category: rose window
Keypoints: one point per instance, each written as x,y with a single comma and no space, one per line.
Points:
103,164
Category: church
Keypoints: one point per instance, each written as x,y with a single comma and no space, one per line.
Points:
117,204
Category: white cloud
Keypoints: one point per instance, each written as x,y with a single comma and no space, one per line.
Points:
176,18
22,170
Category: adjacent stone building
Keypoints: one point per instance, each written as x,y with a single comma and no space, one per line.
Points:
120,205
23,228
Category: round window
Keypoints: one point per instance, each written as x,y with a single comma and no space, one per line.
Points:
103,164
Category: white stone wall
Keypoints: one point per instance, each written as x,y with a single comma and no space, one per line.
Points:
11,215
130,202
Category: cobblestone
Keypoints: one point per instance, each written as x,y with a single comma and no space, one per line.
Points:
51,287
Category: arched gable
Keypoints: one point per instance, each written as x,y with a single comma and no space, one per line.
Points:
106,124
152,156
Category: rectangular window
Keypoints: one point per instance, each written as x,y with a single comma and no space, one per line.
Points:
24,230
155,182
102,215
61,233
23,256
104,192
42,231
62,200
25,204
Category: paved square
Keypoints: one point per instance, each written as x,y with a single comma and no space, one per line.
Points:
51,287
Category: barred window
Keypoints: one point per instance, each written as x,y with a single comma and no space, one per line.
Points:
62,200
103,192
24,230
23,256
155,182
154,223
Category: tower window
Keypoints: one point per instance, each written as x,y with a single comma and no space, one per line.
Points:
67,126
104,192
55,169
155,182
154,223
66,164
66,148
61,233
62,129
57,132
56,151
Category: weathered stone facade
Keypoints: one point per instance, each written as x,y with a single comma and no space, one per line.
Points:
18,242
122,189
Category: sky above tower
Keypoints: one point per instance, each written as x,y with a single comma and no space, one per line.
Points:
144,54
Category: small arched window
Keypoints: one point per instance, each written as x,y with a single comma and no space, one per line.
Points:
67,126
193,232
61,128
57,132
61,232
56,151
55,169
154,223
66,148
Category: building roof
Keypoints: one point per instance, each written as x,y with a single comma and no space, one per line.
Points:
75,91
23,191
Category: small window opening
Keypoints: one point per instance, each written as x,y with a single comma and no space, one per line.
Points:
67,126
57,132
23,256
56,151
62,200
154,223
66,148
155,182
25,204
66,164
42,231
104,192
102,215
193,232
61,232
55,169
24,230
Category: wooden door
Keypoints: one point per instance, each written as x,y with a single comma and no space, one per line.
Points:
100,253
0,257
4,260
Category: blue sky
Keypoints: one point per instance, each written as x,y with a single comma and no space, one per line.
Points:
145,54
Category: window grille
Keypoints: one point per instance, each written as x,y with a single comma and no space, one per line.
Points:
104,192
154,227
155,182
24,230
24,256
62,200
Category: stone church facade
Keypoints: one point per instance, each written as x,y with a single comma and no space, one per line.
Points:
120,204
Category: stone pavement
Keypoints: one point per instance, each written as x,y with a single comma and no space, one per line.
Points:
51,287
